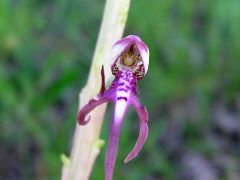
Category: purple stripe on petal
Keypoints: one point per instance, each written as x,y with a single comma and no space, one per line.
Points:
128,87
122,89
124,98
121,84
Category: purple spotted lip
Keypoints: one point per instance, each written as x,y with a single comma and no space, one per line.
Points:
130,58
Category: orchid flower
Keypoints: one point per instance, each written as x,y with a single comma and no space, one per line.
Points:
130,58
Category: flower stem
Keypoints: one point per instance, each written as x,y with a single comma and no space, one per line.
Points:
84,150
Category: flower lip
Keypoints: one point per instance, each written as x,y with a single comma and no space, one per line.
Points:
122,47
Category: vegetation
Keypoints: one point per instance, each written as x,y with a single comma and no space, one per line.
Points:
191,89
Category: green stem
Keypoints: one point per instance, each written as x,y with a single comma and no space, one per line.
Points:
84,150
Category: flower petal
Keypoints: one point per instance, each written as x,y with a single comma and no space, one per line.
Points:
143,133
112,149
93,103
118,48
144,52
113,140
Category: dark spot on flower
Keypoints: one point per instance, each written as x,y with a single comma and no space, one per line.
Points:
124,98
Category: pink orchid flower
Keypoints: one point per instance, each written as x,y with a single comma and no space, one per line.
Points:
130,58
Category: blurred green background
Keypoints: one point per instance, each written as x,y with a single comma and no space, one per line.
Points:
192,89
